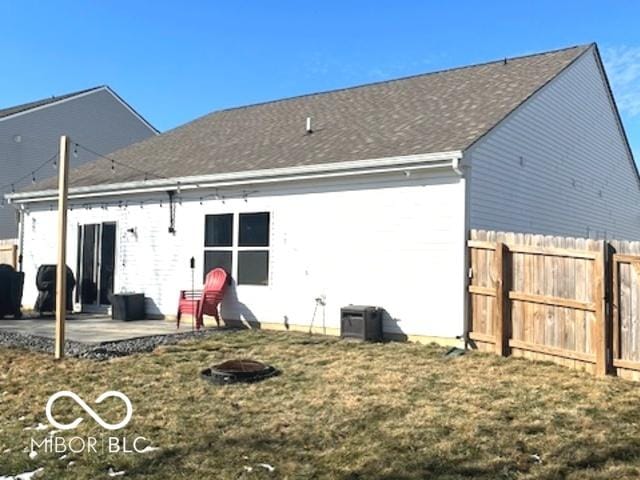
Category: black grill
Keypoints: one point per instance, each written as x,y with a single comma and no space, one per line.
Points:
11,283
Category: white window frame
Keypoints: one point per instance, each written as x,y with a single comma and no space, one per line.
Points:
235,247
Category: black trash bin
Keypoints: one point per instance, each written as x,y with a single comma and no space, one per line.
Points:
127,306
46,284
11,284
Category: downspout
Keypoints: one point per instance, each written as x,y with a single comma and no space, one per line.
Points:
455,164
458,169
20,236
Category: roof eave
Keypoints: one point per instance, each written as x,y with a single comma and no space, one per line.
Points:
53,103
447,159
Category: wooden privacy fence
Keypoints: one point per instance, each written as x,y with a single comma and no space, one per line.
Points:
9,255
574,301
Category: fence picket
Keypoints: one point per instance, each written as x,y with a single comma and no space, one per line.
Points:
574,301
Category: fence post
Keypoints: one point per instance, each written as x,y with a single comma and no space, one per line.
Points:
609,304
614,303
501,317
603,331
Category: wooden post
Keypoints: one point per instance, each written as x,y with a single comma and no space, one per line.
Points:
61,271
610,306
614,303
501,317
602,338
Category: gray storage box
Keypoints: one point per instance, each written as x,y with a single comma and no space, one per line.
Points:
127,306
361,322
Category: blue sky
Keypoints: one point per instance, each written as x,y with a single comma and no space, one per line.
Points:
175,61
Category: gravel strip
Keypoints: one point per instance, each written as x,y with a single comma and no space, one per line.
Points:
105,350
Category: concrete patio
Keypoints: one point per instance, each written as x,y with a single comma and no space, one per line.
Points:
87,328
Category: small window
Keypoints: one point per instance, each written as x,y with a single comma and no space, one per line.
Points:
254,230
218,230
243,254
217,259
253,267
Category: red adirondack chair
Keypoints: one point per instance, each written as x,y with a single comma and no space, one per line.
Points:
189,303
214,287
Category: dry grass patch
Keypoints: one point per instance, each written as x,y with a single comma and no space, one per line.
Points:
339,410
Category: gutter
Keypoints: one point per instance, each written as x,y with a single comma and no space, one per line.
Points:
407,163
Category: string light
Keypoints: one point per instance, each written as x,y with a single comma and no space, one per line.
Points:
54,160
114,162
31,175
124,204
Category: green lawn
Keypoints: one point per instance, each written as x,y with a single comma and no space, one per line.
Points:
339,411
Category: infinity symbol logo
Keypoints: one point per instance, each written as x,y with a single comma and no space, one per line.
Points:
89,410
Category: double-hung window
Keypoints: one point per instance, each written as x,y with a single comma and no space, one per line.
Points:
239,243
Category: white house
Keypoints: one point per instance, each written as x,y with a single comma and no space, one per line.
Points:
363,195
30,135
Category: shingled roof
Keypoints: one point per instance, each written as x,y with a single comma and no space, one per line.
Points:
6,112
434,112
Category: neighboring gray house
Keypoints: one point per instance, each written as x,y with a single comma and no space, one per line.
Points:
29,135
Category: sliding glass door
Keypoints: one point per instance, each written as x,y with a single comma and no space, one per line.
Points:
96,265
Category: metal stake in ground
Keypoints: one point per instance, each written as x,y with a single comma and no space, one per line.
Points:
192,264
61,271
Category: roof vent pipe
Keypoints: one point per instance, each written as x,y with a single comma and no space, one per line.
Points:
309,129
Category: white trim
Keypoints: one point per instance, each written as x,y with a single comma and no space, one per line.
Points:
614,109
252,177
105,88
51,104
131,110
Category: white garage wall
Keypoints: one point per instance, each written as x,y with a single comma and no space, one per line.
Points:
396,242
559,165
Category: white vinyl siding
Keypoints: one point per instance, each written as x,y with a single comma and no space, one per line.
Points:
558,165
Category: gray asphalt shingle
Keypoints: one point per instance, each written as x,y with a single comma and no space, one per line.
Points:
433,112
